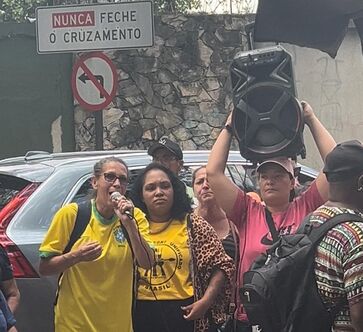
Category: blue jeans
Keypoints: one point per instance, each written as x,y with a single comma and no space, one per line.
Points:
7,319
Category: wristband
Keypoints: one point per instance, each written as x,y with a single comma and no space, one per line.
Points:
229,129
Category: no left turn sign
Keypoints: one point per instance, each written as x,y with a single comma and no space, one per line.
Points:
94,81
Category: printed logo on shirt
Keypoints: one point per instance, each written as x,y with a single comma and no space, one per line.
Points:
168,259
119,235
267,238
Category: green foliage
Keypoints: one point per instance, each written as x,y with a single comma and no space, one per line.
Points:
19,10
175,6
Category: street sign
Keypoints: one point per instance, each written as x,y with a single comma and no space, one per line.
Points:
121,25
94,81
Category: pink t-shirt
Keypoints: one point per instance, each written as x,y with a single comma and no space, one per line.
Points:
255,237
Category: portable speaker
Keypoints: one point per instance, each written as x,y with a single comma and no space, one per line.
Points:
268,119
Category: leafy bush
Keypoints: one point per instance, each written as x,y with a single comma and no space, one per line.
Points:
19,10
175,6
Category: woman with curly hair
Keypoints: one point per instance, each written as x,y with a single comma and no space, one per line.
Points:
187,289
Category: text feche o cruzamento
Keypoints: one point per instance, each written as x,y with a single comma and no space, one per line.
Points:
86,19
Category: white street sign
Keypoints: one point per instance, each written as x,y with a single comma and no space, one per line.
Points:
119,25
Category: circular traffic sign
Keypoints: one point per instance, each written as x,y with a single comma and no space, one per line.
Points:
94,81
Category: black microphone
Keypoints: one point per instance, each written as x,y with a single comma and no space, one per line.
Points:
116,197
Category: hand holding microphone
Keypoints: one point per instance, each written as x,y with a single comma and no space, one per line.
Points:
124,206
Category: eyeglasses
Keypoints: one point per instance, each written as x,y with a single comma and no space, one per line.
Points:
111,178
165,158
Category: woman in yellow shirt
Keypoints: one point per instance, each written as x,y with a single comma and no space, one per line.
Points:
188,286
96,284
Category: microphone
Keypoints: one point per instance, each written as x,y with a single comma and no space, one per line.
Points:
116,197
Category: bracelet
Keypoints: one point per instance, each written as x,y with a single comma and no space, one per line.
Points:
229,129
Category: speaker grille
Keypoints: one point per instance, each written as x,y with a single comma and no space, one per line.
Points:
268,119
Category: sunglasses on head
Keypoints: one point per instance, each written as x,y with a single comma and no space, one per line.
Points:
111,178
166,158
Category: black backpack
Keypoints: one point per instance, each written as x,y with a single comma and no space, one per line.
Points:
280,293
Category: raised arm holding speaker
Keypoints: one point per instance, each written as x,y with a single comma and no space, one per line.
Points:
276,180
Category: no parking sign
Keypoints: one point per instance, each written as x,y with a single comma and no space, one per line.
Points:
94,81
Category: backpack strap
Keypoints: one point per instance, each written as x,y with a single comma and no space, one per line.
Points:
271,225
233,303
83,216
305,226
317,233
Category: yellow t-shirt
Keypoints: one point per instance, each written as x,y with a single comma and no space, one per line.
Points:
94,296
170,276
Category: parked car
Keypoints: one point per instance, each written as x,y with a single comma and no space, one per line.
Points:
33,187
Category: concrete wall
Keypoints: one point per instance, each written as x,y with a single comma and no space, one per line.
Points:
179,87
334,87
36,102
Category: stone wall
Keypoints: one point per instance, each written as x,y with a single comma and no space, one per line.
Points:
179,88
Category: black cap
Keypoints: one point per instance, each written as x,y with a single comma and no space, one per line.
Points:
344,161
165,142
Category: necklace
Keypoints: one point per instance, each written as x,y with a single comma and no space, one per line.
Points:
221,226
162,229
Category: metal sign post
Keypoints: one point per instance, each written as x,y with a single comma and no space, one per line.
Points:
99,129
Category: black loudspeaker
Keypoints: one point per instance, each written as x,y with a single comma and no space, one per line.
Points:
267,119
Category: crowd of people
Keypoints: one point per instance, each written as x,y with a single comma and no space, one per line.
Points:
174,256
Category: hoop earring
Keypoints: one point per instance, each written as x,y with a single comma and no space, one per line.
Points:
360,188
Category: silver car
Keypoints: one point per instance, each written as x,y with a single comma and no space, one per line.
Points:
33,187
